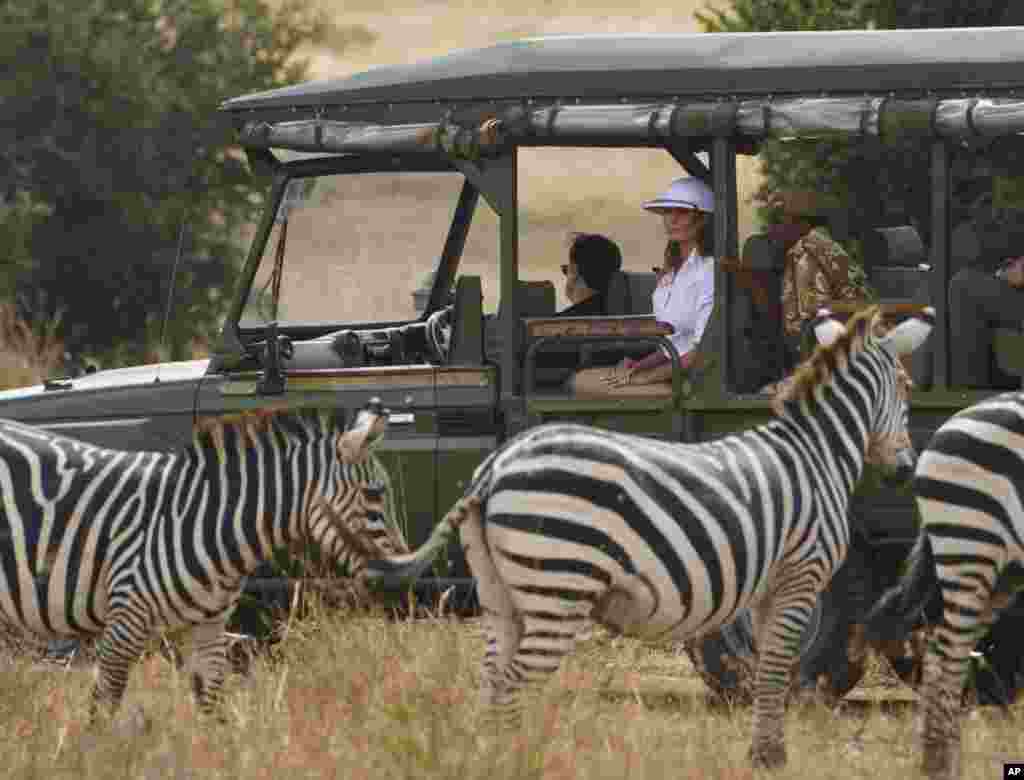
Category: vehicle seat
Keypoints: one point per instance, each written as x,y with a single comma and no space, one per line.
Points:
467,339
895,261
895,264
629,293
1007,342
536,299
759,353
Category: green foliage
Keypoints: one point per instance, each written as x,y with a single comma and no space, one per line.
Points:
874,184
113,139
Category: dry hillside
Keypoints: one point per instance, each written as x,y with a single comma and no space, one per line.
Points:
560,190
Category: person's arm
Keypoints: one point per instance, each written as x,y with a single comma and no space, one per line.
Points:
656,366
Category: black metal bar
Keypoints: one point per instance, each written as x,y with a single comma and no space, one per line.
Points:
448,265
940,337
230,337
691,163
378,162
723,167
673,354
506,170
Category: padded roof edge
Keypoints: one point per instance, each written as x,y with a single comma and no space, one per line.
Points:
601,67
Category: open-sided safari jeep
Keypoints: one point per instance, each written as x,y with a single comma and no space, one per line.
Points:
362,172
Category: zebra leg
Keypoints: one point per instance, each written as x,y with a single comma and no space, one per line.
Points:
502,624
118,648
967,615
206,646
781,619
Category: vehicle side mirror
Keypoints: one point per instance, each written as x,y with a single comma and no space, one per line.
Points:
276,348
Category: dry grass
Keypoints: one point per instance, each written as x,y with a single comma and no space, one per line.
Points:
28,354
368,697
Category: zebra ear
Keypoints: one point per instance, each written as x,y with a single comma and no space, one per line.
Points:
370,425
826,329
909,334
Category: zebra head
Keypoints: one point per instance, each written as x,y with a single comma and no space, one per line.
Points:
368,429
889,444
353,514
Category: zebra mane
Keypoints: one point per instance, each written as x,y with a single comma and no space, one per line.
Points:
256,421
819,368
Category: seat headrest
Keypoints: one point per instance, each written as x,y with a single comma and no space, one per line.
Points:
761,253
641,288
629,293
536,299
618,299
894,246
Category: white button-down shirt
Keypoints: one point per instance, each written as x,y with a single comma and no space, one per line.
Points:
684,300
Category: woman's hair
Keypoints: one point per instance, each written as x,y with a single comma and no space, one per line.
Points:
705,240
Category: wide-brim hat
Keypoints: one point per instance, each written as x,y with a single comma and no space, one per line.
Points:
687,192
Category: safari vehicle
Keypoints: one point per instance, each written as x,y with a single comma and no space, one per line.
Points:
354,162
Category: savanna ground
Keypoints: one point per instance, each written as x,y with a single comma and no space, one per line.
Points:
361,697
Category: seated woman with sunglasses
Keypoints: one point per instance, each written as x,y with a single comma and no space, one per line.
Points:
593,259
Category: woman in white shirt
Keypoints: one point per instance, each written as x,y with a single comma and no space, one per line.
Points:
685,294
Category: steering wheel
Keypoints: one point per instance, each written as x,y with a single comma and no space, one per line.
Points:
439,334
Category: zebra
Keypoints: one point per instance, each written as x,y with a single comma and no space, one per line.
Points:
969,488
120,545
566,525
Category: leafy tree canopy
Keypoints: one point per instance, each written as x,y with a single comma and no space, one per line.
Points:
876,184
111,136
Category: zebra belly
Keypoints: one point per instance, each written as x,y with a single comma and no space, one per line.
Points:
54,588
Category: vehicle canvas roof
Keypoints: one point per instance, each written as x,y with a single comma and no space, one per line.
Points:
596,68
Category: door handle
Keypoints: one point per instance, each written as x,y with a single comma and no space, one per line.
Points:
401,418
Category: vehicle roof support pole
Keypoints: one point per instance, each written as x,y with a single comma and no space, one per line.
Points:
691,163
230,342
723,173
453,246
940,263
497,180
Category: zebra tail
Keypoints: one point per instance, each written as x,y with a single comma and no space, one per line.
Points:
902,607
400,571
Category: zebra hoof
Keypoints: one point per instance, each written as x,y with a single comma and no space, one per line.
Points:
941,763
768,756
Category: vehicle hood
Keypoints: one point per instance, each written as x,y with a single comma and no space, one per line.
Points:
132,376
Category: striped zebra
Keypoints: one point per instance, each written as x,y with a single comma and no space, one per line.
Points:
567,524
969,487
120,545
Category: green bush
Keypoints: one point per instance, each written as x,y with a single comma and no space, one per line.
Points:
875,184
112,138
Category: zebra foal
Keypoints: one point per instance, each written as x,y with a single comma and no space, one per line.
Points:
118,544
567,524
969,487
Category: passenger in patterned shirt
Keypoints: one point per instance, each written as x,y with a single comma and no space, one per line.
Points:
815,270
817,266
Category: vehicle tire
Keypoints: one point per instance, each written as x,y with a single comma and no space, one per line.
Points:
832,655
997,664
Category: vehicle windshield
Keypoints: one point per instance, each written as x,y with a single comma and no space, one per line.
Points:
354,248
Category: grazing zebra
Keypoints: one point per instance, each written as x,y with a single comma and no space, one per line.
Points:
567,524
121,544
969,485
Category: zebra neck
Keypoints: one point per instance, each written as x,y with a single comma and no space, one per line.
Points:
837,437
237,502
